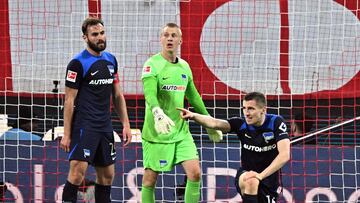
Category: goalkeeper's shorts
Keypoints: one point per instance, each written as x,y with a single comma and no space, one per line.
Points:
164,156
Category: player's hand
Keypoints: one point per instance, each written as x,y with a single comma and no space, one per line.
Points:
214,135
252,174
163,123
185,114
65,143
127,136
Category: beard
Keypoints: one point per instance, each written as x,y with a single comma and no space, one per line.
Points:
99,47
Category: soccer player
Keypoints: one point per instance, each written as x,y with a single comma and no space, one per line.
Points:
265,147
166,139
91,80
25,126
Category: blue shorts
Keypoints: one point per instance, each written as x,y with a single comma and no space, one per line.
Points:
265,193
96,148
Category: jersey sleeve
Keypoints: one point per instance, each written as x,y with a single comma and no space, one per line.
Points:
235,124
150,91
280,129
150,84
148,70
74,74
195,99
192,93
116,72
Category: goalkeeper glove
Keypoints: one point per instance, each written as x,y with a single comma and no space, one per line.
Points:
163,123
214,135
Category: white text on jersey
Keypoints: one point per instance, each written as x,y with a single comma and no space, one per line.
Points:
259,149
101,81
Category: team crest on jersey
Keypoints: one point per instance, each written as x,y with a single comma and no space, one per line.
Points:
111,69
183,76
71,76
163,163
268,136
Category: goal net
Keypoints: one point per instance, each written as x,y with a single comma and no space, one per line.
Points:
303,55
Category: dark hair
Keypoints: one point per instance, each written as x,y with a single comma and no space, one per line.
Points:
90,21
257,96
303,119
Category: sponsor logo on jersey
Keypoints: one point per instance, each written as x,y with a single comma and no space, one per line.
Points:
163,163
101,81
246,135
179,88
94,73
147,69
71,76
268,136
259,149
86,153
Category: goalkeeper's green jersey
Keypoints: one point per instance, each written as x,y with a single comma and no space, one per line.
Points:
166,85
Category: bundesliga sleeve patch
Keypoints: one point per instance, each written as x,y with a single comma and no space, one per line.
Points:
147,69
71,76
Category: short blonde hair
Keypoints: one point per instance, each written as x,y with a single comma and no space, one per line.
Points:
171,25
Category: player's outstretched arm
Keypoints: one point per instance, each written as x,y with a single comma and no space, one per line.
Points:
195,99
205,120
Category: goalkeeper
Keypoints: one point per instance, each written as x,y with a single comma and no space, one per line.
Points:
166,139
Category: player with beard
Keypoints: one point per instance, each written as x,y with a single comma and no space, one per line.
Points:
166,139
265,147
91,80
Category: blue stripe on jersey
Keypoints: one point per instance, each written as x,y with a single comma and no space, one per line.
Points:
271,122
81,133
243,126
86,59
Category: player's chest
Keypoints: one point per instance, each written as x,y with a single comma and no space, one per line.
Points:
100,74
258,142
173,76
258,138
